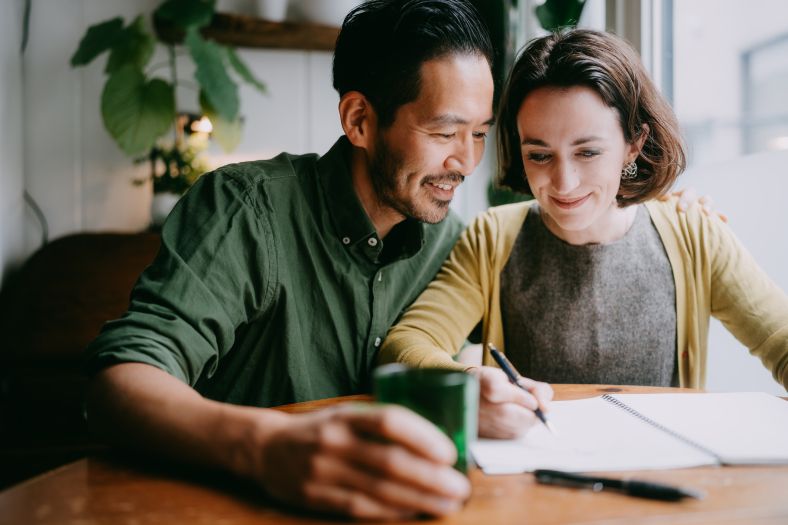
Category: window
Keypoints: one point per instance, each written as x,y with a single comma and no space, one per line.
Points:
730,76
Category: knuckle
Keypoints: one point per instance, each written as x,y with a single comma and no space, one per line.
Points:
323,437
389,418
391,458
314,466
358,507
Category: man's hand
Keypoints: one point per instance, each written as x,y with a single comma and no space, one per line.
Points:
506,411
363,461
688,196
358,460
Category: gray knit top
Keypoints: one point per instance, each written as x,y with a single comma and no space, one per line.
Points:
597,313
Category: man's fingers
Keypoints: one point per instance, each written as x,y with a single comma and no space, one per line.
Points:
392,461
686,198
340,500
387,492
406,428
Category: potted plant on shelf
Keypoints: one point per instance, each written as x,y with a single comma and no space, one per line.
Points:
139,106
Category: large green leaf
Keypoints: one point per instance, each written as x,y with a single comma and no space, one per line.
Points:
135,45
555,14
136,111
220,90
186,13
97,39
243,70
226,133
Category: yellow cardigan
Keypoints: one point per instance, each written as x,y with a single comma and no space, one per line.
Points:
714,275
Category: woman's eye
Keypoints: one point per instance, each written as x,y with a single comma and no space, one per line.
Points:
538,157
446,135
588,154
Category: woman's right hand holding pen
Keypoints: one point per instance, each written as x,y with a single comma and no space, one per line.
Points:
506,411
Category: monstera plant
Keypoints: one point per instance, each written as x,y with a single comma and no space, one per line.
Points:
139,103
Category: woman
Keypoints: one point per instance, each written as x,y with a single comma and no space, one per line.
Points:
595,281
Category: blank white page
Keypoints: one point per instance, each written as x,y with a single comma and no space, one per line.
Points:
592,435
740,427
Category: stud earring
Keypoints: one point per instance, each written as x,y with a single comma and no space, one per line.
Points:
630,171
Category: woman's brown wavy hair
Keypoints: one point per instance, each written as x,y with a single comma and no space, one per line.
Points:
611,67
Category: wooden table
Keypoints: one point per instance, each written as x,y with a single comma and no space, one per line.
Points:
99,491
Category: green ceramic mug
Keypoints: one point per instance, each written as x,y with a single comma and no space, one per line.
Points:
449,399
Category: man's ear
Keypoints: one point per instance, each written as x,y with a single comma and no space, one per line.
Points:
358,119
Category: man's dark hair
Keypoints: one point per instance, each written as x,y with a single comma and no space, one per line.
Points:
383,44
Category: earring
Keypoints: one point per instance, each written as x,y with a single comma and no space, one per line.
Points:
630,171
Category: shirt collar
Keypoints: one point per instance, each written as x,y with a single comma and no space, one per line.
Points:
351,222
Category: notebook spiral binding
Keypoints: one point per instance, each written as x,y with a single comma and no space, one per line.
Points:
648,420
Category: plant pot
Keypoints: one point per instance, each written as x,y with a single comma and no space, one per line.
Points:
161,206
272,10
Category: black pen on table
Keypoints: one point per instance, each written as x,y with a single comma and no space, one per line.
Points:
632,487
514,378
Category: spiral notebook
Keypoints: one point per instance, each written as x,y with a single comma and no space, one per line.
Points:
647,431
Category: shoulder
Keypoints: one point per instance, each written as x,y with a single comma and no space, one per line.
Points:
284,167
255,182
665,215
501,221
492,233
692,231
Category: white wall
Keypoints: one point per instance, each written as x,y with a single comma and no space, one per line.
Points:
75,171
83,181
11,125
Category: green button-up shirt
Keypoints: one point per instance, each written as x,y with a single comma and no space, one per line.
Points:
272,285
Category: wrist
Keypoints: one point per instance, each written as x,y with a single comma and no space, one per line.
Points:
251,439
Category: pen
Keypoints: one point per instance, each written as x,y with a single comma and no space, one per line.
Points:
514,377
641,489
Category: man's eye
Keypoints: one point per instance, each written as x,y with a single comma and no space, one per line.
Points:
480,135
446,135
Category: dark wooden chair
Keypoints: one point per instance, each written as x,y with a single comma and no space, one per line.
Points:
49,311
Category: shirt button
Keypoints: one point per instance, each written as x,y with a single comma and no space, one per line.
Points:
372,241
345,240
377,342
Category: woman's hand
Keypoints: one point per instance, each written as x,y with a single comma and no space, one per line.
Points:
505,410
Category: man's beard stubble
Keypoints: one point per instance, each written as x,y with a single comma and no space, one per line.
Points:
389,182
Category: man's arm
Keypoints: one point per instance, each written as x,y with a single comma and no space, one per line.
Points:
363,461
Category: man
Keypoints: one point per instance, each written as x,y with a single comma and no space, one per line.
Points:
277,281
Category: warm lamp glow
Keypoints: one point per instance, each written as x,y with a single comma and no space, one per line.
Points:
202,126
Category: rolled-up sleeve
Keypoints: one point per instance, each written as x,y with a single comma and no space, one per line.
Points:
212,274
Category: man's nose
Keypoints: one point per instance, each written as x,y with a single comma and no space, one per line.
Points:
465,156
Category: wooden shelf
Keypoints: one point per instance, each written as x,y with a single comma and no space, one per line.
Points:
247,31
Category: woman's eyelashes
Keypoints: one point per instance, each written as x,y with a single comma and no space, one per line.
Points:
538,157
